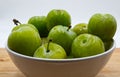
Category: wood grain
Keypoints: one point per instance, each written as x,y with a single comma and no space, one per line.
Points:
8,69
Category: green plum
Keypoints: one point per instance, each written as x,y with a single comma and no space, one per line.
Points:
51,51
87,45
108,44
102,25
24,39
80,28
63,36
40,23
58,17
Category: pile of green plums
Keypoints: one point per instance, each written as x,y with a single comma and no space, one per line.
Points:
54,37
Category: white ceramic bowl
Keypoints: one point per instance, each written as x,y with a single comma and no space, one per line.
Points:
76,67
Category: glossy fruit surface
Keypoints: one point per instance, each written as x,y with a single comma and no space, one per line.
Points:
87,45
102,25
24,39
54,51
80,28
58,17
40,23
62,36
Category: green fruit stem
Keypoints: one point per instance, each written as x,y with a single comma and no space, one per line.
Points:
16,22
69,28
48,45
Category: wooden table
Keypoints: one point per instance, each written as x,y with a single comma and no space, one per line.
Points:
8,69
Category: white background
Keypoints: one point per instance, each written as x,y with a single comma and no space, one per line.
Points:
80,10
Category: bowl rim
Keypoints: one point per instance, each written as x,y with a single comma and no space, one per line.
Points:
61,60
